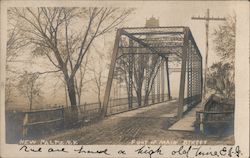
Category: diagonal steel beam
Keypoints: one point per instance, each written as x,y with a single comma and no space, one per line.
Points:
123,32
111,74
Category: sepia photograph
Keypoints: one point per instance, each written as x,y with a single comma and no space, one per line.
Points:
123,73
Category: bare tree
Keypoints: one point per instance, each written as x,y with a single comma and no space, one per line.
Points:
9,88
141,63
14,45
14,39
80,79
64,35
100,61
30,87
99,83
155,63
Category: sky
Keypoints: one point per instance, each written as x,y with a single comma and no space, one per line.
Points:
169,14
180,13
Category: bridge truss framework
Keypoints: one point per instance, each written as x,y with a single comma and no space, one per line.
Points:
170,44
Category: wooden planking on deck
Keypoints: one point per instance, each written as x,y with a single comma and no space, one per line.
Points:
135,112
187,122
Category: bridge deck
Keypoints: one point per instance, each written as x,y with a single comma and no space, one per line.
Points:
187,122
147,123
141,126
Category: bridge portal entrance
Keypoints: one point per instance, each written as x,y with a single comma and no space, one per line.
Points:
142,60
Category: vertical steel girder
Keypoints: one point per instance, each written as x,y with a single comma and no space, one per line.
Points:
146,80
193,77
168,79
190,74
183,73
130,73
191,60
153,92
162,82
158,86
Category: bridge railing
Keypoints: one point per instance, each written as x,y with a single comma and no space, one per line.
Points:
43,121
190,102
212,122
217,117
121,104
38,122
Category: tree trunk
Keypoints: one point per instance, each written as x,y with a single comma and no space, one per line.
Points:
30,104
66,95
146,99
79,99
128,99
78,93
72,97
99,98
138,93
71,92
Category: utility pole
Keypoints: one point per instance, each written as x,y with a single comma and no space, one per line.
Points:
207,18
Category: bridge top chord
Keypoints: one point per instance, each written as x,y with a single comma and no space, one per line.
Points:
164,41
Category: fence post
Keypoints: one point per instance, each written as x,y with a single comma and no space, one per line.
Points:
25,123
63,117
84,110
201,123
100,107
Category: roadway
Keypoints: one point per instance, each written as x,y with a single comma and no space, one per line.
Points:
146,125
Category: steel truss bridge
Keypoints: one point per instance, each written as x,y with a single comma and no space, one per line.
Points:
142,60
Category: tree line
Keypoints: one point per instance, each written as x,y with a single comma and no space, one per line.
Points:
64,37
